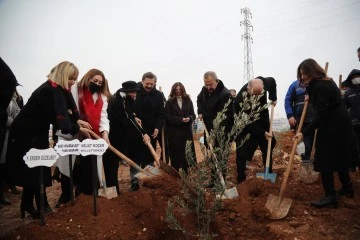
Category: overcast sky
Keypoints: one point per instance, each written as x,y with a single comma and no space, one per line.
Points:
177,40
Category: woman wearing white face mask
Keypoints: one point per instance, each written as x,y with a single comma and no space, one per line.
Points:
352,102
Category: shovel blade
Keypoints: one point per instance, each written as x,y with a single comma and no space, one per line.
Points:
231,193
307,173
151,172
108,193
278,207
267,176
170,170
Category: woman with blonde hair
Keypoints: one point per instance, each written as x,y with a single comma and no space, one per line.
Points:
333,142
93,102
47,105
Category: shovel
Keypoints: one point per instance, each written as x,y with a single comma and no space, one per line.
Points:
162,165
229,193
108,192
267,175
307,173
148,172
278,206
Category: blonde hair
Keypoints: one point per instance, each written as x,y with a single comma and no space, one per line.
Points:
84,82
61,73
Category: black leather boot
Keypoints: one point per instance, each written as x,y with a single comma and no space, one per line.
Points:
347,191
27,204
3,199
329,200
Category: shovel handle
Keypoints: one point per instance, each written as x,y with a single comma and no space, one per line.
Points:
120,155
163,144
312,155
153,153
268,154
288,169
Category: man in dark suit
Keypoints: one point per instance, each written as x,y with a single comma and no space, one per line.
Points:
149,108
258,129
211,100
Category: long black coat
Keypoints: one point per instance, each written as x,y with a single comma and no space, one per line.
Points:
333,142
124,136
209,104
47,105
259,127
7,87
123,133
149,107
178,132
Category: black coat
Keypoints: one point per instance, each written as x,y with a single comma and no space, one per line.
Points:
333,142
122,130
209,104
178,132
7,87
149,107
262,125
352,102
47,105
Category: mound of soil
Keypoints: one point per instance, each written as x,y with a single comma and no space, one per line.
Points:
141,214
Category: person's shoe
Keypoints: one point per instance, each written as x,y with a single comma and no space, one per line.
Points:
347,191
31,210
240,180
47,210
329,200
3,199
134,187
77,191
14,190
61,201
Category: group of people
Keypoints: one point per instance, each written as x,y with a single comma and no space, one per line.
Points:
136,115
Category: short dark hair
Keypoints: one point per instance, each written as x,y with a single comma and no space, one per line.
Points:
149,75
359,49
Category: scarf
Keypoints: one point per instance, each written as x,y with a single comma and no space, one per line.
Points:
90,111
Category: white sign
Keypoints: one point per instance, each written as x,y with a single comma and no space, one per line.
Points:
93,147
40,157
64,148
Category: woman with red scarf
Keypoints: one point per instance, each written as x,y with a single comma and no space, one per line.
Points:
93,103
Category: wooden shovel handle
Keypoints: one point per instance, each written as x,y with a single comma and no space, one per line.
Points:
120,155
289,167
163,144
312,155
268,154
153,153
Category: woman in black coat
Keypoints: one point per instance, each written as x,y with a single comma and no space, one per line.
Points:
30,129
334,135
180,114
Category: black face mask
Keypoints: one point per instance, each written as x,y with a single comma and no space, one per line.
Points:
93,87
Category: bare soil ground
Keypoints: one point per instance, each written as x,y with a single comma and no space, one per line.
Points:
140,215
